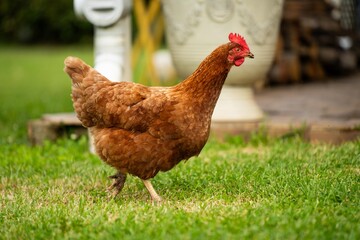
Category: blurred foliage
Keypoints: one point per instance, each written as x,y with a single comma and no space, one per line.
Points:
42,21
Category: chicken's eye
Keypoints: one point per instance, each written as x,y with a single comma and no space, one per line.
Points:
237,49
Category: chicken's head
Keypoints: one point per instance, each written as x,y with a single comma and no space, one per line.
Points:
239,49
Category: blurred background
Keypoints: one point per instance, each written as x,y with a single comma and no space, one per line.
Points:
316,35
42,22
318,38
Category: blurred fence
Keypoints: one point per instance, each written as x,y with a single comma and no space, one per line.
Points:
149,23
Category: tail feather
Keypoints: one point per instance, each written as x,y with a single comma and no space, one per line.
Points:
76,69
82,77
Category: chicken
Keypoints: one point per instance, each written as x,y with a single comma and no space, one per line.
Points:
142,130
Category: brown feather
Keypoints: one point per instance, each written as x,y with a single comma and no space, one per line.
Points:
143,130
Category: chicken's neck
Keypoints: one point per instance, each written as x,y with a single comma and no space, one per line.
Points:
204,85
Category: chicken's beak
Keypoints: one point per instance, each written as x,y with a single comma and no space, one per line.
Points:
250,55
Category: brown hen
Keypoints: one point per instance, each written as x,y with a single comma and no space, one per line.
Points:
142,130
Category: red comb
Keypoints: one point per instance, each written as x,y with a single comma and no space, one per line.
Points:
236,38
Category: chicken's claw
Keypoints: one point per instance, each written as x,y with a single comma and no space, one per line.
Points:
118,184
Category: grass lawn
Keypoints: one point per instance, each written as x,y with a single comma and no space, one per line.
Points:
262,189
33,83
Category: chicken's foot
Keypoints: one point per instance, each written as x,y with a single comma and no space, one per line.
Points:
118,184
154,196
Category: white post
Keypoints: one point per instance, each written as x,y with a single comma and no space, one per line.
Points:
112,50
112,38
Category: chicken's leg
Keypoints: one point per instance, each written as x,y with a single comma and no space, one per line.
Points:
118,184
154,196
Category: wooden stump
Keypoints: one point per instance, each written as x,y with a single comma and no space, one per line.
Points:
54,126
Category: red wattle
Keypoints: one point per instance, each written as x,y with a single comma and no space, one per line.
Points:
239,61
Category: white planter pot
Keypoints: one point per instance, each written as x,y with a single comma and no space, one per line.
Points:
194,28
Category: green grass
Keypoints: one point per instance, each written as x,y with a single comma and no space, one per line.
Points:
281,190
33,83
262,189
